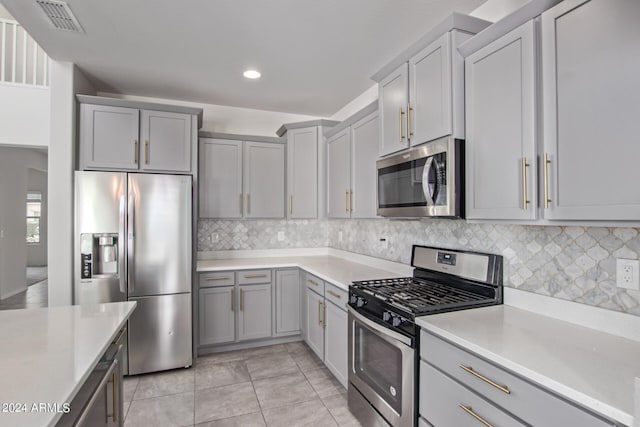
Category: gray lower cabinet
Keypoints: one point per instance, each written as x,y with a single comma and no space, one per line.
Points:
590,110
335,336
302,290
254,312
287,302
459,388
217,317
315,322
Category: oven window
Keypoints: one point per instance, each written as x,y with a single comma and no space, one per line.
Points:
379,364
402,185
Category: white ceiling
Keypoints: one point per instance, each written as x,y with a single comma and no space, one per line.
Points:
315,55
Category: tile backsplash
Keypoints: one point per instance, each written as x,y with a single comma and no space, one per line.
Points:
571,263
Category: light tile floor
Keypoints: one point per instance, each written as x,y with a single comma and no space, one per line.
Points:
34,297
279,385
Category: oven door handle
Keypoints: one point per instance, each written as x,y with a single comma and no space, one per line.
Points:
425,181
380,329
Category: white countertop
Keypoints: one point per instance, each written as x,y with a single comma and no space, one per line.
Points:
593,368
48,353
338,271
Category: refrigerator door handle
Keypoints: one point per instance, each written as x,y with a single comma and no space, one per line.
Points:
121,239
131,242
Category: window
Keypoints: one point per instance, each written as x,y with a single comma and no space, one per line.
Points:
34,208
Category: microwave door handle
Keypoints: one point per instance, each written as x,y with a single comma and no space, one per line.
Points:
425,181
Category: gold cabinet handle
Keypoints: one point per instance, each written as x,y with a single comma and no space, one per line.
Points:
241,204
313,282
135,151
469,410
256,276
335,294
324,314
233,299
241,299
502,388
401,114
115,398
146,152
291,204
546,181
320,313
213,279
346,201
409,110
525,199
248,204
120,334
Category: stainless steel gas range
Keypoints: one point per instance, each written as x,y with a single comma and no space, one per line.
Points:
383,336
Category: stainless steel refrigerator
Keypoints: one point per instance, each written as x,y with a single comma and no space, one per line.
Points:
133,242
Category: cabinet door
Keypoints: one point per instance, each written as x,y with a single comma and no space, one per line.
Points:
109,137
287,302
335,341
338,169
216,312
263,180
254,312
302,290
591,110
315,328
392,105
364,174
166,139
303,173
220,178
430,92
500,127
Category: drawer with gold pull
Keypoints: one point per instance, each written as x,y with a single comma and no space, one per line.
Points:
216,278
248,277
336,295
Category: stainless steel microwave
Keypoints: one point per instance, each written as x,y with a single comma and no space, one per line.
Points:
423,182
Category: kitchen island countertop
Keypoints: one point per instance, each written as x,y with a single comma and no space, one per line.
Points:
47,355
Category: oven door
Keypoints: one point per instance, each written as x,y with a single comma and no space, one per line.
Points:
381,369
424,181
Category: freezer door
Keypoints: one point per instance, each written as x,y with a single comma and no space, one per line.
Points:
160,333
159,234
100,210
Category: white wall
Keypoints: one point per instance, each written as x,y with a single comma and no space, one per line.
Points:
14,166
24,115
220,118
66,81
37,252
494,10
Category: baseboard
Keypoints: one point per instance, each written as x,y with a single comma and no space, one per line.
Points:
219,348
12,293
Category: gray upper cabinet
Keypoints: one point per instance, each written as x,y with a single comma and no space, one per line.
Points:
351,169
392,104
125,135
501,128
302,179
241,179
166,139
339,193
264,180
109,137
220,178
590,69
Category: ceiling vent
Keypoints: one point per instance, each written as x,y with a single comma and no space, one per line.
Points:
60,15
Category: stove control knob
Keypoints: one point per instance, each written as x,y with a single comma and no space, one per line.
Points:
397,321
353,299
386,316
361,302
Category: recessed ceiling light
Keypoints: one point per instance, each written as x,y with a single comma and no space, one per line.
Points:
252,74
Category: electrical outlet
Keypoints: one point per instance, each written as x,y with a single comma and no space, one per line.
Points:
280,236
628,273
384,243
340,236
215,237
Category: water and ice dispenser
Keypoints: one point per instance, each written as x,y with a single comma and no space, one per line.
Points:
99,255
